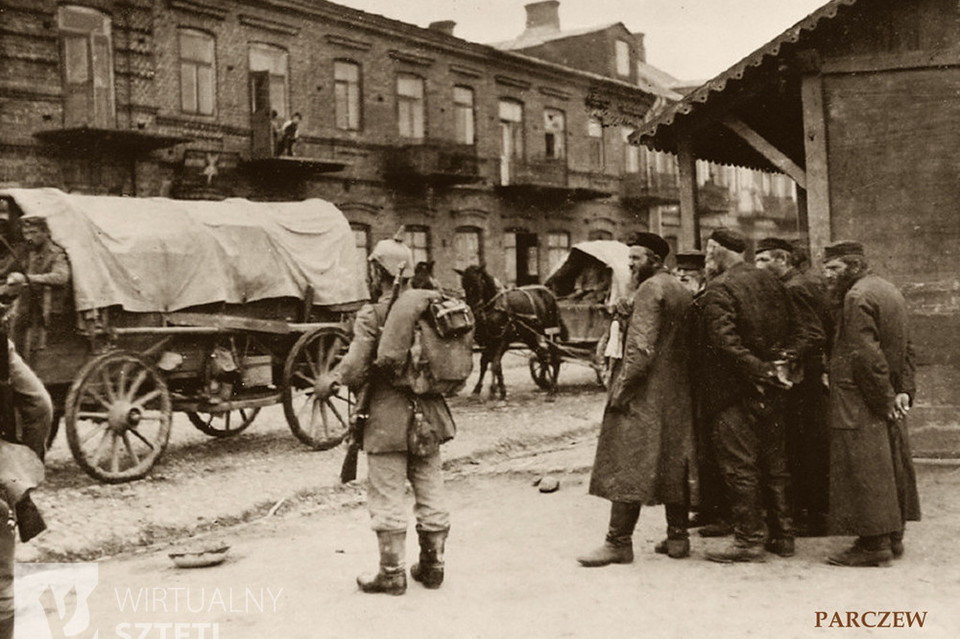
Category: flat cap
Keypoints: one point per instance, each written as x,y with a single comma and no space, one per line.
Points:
33,221
773,243
693,260
730,239
651,241
843,248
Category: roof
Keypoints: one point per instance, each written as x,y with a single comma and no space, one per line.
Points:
541,35
761,66
658,81
157,254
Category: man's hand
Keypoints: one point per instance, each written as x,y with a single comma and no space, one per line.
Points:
901,406
326,386
16,278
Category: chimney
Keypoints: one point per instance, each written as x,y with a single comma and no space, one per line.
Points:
543,15
443,26
641,47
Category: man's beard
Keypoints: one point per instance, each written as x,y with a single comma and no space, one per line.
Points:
839,286
643,272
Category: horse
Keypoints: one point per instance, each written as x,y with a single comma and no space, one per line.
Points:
423,277
503,316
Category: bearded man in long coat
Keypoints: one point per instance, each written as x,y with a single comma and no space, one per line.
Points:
645,451
873,488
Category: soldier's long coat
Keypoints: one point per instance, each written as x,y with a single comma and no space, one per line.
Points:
872,482
645,452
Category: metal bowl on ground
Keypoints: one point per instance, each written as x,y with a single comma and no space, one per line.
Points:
200,558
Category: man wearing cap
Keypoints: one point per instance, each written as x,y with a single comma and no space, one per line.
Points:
384,439
873,488
645,449
808,444
746,325
689,271
44,304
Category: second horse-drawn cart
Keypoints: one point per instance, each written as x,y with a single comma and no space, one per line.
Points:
215,309
587,285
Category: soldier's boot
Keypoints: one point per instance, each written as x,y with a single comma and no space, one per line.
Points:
779,522
6,628
429,570
873,550
391,579
618,546
677,543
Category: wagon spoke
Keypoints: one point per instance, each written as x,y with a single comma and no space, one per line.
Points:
333,408
331,351
137,382
152,416
99,428
148,397
311,362
92,415
105,378
122,380
115,454
226,420
102,446
91,393
140,436
308,380
129,446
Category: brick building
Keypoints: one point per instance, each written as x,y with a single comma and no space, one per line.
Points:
505,154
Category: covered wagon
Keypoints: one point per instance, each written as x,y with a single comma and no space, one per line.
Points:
215,309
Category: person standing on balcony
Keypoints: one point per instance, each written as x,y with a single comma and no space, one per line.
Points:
289,135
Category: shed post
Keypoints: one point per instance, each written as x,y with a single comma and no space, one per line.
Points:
688,240
817,167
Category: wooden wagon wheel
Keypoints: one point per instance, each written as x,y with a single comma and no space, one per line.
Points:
117,415
320,424
540,372
223,424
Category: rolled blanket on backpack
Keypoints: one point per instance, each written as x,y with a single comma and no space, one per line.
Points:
398,331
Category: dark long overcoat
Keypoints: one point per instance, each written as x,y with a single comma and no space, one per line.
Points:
645,452
873,487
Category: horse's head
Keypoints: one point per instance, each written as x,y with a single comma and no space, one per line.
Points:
423,276
479,286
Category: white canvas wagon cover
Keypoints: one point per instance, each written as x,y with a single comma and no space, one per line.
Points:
158,254
603,254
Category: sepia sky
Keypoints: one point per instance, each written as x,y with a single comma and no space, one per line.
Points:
690,39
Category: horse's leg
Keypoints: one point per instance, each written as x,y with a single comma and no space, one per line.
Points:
496,370
484,360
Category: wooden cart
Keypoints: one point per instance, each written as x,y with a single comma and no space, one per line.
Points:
118,375
587,285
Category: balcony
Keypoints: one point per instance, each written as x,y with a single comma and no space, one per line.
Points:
85,140
433,162
713,198
539,176
652,188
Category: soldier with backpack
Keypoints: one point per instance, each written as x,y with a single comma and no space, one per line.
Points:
403,427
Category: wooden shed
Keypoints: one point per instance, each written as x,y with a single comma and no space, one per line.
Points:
860,104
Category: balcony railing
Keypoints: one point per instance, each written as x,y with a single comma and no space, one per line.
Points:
433,162
535,173
652,188
713,198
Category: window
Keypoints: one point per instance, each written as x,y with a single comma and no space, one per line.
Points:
623,58
464,115
87,57
595,135
511,124
197,79
558,247
554,133
631,152
510,258
410,106
468,247
346,91
417,238
361,241
271,60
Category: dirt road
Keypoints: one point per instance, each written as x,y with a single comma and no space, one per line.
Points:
511,573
